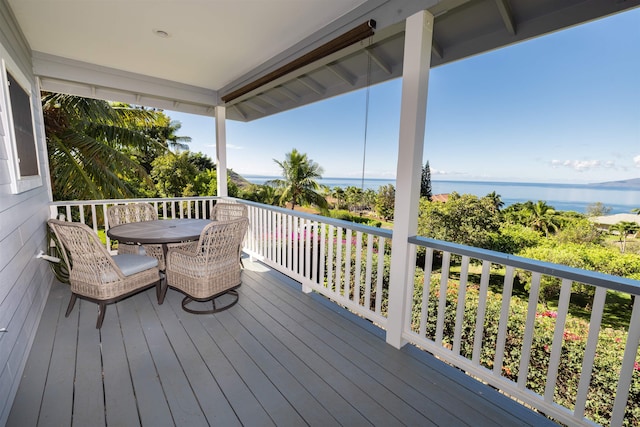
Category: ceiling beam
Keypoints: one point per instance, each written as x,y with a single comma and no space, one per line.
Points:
312,84
355,35
255,106
288,93
504,7
239,111
436,49
379,61
343,74
270,100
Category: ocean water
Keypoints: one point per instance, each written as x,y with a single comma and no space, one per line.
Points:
564,197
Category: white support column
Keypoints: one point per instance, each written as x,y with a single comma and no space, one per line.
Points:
415,82
221,150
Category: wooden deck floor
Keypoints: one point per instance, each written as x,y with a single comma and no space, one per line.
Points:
279,357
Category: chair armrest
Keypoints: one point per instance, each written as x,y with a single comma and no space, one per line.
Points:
184,246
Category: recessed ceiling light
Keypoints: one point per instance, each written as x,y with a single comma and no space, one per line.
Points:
161,33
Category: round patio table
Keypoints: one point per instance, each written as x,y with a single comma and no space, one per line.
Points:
162,231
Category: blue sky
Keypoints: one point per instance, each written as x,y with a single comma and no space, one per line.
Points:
561,108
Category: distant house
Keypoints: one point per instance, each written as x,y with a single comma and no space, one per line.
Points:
606,221
440,198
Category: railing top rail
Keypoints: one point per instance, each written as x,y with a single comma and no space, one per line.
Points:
382,232
117,201
582,276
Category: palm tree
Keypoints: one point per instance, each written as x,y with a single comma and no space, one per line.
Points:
299,185
541,216
86,138
338,194
624,228
635,211
495,200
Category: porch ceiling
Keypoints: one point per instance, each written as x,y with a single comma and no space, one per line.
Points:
108,49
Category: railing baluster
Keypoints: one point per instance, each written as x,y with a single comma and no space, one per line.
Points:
307,249
381,249
295,235
270,235
358,266
462,295
314,268
82,218
279,237
558,335
368,272
94,217
331,243
442,303
482,307
426,291
590,351
323,258
507,289
347,263
289,240
527,340
338,270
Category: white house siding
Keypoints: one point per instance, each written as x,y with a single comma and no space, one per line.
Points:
24,280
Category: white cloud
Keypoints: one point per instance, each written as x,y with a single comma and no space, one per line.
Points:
582,165
636,161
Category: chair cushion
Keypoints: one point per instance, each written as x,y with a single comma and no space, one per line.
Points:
132,264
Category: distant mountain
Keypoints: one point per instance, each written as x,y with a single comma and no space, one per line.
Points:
635,183
238,179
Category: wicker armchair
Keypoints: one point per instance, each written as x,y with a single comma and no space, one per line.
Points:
135,212
211,268
97,276
227,211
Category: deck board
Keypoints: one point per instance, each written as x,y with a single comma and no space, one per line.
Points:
212,401
279,357
391,370
119,394
88,373
57,399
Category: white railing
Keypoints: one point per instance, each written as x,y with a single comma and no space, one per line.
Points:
94,212
488,345
455,309
342,260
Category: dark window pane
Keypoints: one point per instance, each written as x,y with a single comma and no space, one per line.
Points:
23,126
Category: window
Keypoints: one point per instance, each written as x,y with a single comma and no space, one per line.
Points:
19,131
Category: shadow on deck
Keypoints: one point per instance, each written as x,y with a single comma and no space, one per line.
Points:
279,357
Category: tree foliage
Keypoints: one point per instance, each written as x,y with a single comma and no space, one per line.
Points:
299,183
464,219
385,201
597,209
425,182
88,141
